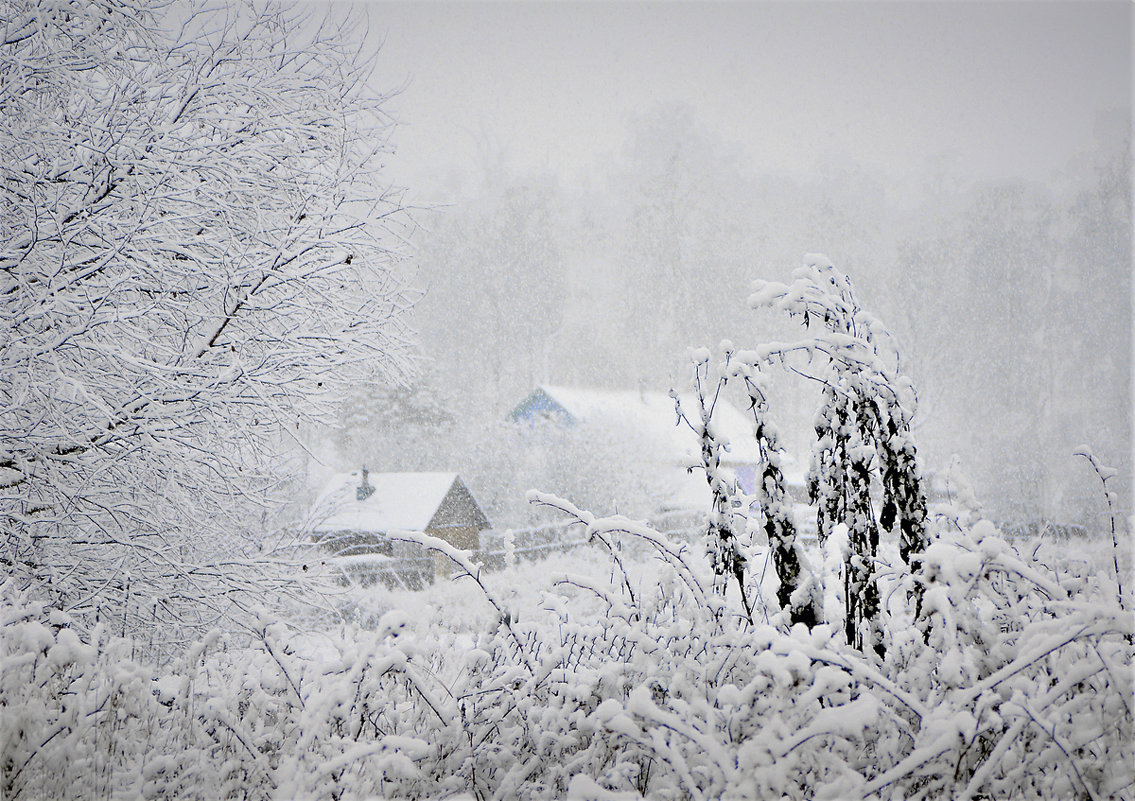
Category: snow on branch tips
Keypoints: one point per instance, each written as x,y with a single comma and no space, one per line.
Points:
1105,474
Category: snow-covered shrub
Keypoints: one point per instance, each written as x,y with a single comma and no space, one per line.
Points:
1025,683
289,717
72,707
863,440
637,681
661,689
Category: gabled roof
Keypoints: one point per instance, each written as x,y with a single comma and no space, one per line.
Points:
400,502
647,414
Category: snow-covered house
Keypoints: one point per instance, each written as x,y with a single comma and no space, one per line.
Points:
662,445
357,511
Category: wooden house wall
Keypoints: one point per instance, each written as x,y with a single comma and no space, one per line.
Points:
466,537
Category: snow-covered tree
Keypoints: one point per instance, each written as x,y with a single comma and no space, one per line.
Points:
495,289
197,252
987,295
391,425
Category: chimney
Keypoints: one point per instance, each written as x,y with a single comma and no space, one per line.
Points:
364,490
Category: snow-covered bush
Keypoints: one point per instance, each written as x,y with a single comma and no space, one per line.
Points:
286,716
1025,686
635,681
864,474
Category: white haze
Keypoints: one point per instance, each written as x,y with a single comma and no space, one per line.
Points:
903,91
605,181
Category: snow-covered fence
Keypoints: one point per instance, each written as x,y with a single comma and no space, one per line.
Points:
411,566
498,548
408,565
1045,529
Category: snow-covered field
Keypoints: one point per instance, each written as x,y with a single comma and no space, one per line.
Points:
575,676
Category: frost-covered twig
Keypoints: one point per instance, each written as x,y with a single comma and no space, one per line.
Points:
1051,734
1106,474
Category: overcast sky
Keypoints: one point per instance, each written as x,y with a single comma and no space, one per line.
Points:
999,89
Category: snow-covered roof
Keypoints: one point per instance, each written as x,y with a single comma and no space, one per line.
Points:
400,501
651,415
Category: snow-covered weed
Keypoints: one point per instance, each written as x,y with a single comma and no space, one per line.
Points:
602,681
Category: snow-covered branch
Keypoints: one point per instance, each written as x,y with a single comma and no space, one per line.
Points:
197,253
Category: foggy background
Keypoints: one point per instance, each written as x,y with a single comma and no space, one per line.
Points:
598,184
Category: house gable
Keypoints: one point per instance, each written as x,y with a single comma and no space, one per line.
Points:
542,406
458,509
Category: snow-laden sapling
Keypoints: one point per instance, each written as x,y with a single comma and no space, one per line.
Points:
722,545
